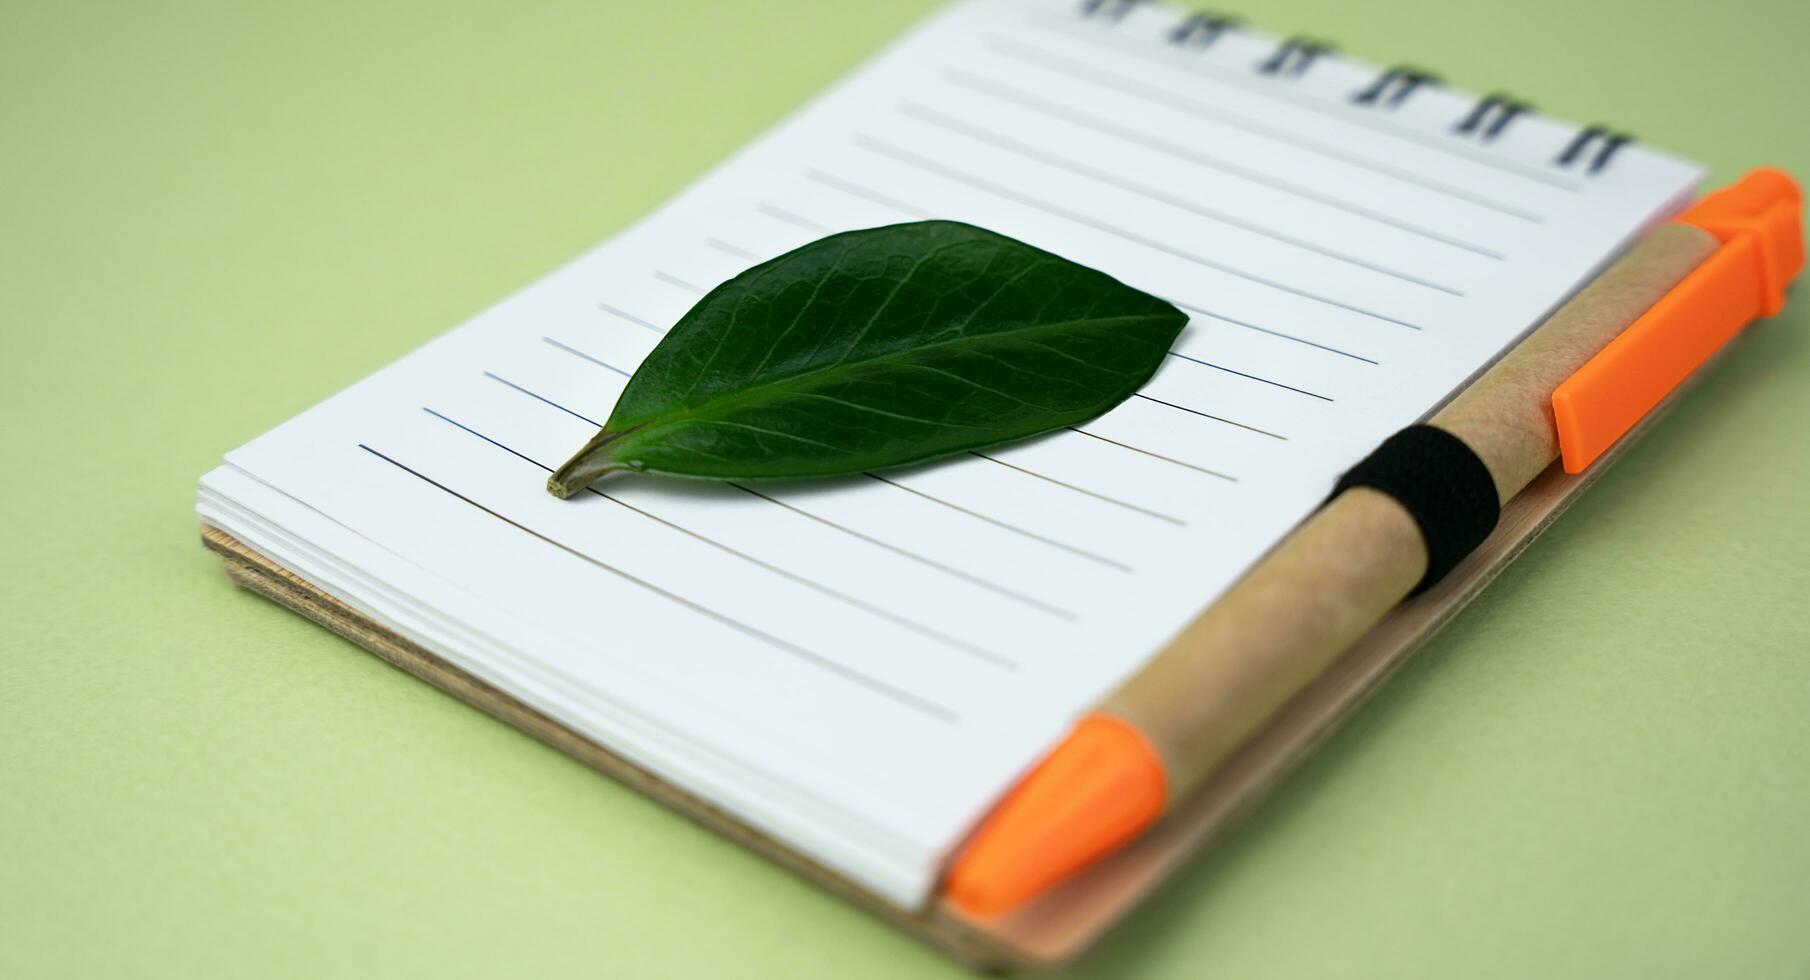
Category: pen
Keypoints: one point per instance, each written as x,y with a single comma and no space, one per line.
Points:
1395,524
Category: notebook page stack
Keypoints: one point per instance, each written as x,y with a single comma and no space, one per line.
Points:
859,667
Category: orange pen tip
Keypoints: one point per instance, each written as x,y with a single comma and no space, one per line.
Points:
1093,792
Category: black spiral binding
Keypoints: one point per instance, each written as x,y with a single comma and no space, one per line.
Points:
1393,87
1486,120
1295,55
1611,142
1201,28
1491,115
1113,10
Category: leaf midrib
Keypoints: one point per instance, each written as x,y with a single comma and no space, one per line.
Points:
782,384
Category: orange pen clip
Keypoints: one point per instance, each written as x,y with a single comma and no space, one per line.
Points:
1759,222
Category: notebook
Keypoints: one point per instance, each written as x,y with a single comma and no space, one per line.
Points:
857,668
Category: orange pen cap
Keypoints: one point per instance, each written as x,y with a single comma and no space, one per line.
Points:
1096,790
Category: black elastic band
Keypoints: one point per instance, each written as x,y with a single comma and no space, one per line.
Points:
1441,483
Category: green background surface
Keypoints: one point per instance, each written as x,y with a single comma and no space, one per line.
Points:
214,215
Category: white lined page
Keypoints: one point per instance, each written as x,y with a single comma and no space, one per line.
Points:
858,666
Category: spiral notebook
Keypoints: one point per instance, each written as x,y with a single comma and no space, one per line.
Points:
854,670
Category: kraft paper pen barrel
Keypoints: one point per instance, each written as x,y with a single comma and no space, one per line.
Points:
1324,586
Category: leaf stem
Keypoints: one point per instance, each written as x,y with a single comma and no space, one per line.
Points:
586,466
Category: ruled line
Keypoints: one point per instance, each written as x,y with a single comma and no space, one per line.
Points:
1015,529
1082,71
953,125
630,317
575,352
853,189
968,577
1209,415
1167,459
898,695
543,400
1147,512
922,629
791,218
1055,110
1035,603
672,280
981,184
734,250
1274,333
1253,377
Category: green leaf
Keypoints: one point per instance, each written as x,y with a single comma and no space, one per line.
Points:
878,348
